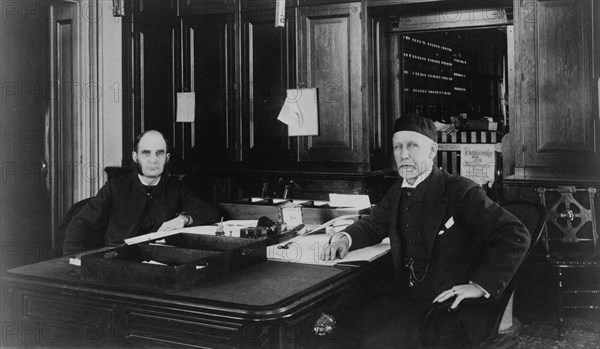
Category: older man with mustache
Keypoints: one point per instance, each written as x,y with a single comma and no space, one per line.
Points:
448,239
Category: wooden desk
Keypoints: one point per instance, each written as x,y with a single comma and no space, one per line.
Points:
269,305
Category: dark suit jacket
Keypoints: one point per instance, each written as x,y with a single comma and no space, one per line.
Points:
485,245
117,212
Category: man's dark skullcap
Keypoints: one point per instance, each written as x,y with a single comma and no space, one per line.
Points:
416,123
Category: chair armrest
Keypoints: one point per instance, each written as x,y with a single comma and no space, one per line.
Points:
445,305
472,322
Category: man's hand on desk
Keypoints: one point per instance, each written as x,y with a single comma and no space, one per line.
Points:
175,223
339,246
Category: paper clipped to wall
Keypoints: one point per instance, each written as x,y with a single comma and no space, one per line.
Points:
300,112
280,13
478,162
186,106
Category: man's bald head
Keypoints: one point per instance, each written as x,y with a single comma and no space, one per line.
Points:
149,132
150,154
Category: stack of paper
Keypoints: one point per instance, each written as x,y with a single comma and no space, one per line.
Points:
306,249
349,200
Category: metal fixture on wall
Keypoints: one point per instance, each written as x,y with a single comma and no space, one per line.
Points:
118,8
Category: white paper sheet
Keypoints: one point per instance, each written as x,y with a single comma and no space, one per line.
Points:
290,115
478,162
186,106
349,200
300,112
151,236
231,228
305,249
280,13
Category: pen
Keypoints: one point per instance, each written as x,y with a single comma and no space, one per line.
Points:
286,246
347,265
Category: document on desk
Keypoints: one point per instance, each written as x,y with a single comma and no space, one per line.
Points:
231,228
332,222
306,248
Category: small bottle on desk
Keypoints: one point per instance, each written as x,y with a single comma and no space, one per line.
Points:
220,230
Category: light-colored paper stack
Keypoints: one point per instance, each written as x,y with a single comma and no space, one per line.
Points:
306,248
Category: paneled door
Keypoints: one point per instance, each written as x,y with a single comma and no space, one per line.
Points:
557,53
330,59
66,91
267,71
40,152
210,46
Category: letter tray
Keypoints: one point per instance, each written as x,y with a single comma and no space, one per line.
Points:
174,263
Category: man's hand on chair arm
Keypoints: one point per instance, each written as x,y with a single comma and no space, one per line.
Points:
471,290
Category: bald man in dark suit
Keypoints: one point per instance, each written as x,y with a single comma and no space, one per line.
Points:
141,202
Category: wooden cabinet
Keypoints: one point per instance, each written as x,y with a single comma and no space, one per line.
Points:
268,69
557,71
203,7
210,40
149,69
330,59
240,65
556,130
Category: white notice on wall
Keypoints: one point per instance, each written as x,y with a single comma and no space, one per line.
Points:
300,112
280,13
478,162
186,106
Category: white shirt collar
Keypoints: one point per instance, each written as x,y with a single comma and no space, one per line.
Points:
144,181
418,181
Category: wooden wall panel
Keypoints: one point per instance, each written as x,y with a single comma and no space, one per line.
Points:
564,48
214,81
330,60
328,68
267,71
556,111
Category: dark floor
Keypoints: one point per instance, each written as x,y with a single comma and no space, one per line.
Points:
535,301
578,333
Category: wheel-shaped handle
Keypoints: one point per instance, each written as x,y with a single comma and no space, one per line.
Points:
325,325
568,215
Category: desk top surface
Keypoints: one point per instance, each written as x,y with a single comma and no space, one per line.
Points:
269,285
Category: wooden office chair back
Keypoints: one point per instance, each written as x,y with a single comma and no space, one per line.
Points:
571,230
442,327
571,244
62,228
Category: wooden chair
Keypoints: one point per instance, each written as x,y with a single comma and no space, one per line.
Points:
116,171
442,327
571,244
62,228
